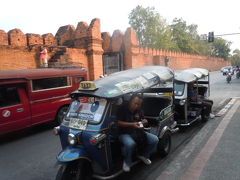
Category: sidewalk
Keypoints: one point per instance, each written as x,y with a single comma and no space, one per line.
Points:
214,156
219,158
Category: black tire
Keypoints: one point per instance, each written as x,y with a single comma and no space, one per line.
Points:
164,144
75,171
204,117
61,114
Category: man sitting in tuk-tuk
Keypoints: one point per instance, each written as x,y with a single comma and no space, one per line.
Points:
195,97
132,134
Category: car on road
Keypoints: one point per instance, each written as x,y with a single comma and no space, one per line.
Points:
225,69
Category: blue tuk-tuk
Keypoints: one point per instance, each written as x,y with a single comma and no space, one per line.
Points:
89,131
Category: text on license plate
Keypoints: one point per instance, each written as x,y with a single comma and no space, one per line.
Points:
78,123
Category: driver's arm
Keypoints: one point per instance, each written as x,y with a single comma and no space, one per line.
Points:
128,124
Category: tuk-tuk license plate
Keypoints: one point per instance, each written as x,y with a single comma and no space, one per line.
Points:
78,123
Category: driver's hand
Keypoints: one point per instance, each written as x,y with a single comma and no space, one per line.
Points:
145,122
136,125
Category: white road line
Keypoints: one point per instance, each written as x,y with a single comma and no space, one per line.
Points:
224,110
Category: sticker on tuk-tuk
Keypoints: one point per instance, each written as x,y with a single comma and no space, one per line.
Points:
113,92
124,87
130,86
78,123
90,109
143,82
135,85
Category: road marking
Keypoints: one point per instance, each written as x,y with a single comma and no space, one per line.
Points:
196,168
221,102
225,109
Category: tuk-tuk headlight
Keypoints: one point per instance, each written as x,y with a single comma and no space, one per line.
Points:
182,102
72,139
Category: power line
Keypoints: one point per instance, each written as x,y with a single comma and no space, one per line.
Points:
227,34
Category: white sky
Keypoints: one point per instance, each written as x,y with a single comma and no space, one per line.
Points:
46,16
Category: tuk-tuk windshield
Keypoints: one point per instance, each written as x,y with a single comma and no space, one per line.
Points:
179,89
89,109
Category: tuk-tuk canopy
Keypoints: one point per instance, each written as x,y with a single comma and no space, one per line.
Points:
190,74
128,81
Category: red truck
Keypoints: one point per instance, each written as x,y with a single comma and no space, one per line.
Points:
34,96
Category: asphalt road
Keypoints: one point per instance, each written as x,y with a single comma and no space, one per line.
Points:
31,154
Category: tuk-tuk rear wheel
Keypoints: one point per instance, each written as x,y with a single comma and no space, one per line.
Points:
80,170
164,145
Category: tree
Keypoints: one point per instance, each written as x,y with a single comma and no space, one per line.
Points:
187,38
221,48
151,29
235,58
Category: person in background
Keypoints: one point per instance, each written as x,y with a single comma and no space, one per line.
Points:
43,57
130,119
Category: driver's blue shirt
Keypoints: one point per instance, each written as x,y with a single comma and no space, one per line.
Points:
191,93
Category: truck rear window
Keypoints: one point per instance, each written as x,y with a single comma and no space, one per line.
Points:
50,83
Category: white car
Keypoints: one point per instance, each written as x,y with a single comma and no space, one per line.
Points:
224,70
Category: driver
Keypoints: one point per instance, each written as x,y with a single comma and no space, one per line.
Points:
130,118
194,97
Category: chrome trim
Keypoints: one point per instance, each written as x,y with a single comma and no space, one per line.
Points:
69,81
165,129
188,124
48,99
174,130
113,175
174,125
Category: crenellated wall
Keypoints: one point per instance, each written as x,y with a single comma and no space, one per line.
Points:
86,44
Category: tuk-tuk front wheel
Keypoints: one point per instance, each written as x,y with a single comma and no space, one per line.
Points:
80,170
61,114
164,144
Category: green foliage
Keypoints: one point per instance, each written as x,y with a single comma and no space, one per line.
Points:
235,58
153,31
221,48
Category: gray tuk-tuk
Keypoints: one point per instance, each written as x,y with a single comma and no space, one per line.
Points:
186,110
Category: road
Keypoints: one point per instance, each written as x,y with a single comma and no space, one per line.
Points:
31,154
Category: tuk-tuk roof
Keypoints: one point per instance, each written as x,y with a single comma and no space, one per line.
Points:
129,81
190,74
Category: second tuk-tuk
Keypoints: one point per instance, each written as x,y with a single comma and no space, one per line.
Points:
186,110
89,131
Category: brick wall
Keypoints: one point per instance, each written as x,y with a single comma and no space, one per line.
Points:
86,44
3,38
135,56
17,58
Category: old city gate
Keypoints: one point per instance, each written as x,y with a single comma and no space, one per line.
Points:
112,62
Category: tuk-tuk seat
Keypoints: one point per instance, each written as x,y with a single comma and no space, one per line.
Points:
152,106
202,90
